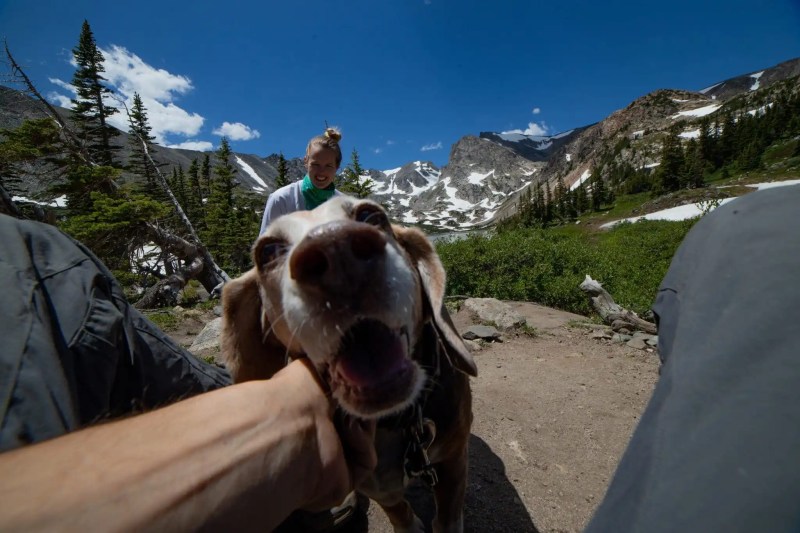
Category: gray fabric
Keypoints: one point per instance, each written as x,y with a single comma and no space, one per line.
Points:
73,349
718,447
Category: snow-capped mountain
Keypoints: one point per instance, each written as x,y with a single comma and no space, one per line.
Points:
533,147
485,173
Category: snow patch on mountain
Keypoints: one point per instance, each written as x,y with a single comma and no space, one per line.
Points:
252,173
699,112
757,78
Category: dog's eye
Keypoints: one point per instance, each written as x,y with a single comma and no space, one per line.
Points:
370,214
270,251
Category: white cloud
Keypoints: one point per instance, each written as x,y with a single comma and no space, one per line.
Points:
59,99
236,131
200,146
536,111
377,150
390,142
533,129
126,74
432,146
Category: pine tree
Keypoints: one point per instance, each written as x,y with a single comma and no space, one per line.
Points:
34,149
229,230
89,111
282,179
695,167
179,190
668,175
194,200
538,203
141,143
598,191
547,206
205,176
581,199
351,181
707,144
560,197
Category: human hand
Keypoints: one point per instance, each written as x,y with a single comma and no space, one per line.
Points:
342,452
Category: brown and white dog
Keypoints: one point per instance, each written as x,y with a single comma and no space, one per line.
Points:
363,300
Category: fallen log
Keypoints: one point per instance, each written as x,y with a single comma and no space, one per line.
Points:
162,294
611,312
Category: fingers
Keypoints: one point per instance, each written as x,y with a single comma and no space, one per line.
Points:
358,441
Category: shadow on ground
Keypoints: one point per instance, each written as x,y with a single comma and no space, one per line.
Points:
492,502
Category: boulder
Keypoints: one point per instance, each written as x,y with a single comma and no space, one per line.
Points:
207,341
496,312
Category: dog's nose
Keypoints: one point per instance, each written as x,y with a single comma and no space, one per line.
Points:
338,254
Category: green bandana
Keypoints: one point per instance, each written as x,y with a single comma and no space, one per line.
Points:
313,195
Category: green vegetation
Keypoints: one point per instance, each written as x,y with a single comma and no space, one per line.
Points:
548,265
166,320
350,182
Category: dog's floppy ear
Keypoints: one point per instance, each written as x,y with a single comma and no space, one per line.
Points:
432,275
248,353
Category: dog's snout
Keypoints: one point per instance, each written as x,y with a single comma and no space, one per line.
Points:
337,252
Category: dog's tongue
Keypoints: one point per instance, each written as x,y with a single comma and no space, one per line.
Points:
371,354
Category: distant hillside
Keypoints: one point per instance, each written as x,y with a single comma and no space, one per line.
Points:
485,175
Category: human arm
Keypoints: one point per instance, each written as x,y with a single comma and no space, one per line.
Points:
242,457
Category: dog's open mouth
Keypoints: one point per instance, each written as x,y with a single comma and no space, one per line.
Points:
372,372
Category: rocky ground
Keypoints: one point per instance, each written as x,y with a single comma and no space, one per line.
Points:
553,413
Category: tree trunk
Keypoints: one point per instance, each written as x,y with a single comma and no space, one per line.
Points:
612,313
162,294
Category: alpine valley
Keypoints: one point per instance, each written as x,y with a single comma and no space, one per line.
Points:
486,173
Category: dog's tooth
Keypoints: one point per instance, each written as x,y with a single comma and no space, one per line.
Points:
328,305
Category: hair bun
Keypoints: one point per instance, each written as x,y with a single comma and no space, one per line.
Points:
333,134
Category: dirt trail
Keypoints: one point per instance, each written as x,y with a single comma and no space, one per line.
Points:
553,414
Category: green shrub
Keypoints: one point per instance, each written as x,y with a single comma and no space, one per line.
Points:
547,266
166,320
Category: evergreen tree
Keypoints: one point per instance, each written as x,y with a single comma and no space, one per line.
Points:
727,139
205,176
695,166
89,111
34,149
194,200
228,231
179,190
581,199
547,206
560,198
141,143
282,178
707,144
598,191
537,204
351,182
669,174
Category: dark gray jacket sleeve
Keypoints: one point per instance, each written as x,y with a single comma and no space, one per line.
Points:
718,447
73,350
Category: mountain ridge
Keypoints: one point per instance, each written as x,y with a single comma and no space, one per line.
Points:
485,174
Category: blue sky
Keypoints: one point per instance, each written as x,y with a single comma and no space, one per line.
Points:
403,79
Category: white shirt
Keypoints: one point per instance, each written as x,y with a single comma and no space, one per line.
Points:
285,200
